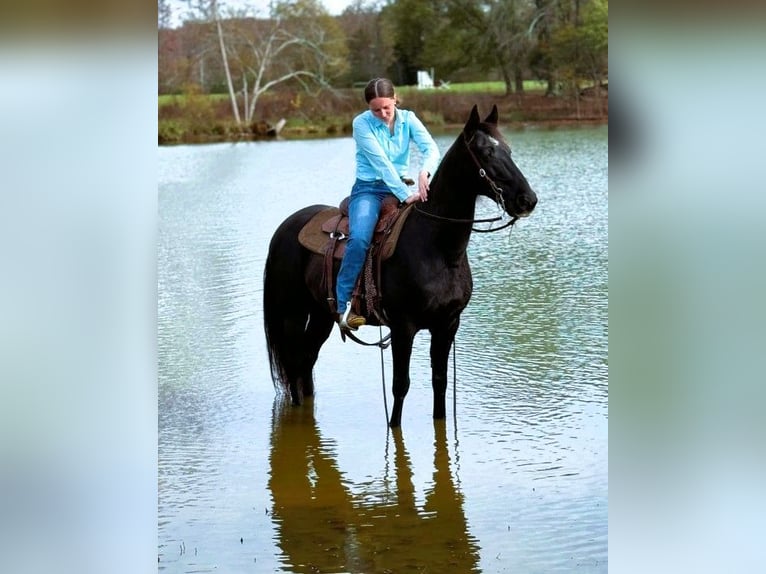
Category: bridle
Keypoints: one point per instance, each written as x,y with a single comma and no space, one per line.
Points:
498,191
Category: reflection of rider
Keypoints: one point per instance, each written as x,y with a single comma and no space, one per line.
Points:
321,526
382,135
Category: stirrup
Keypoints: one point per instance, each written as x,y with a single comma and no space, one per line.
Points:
349,321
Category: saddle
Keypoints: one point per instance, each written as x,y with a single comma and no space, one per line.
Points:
325,234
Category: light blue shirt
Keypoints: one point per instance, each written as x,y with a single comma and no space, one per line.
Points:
381,155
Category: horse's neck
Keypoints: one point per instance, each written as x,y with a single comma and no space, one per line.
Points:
451,198
450,194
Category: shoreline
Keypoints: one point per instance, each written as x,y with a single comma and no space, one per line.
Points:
199,119
314,132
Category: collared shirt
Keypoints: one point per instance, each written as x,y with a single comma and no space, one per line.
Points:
381,155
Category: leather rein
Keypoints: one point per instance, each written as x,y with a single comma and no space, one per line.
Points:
498,191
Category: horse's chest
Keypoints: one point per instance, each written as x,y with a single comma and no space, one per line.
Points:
450,289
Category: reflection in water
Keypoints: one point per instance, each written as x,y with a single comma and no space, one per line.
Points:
323,527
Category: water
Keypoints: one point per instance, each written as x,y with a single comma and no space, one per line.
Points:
515,480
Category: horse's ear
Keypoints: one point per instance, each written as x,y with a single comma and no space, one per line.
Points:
492,117
473,120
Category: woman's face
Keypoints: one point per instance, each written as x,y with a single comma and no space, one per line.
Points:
384,109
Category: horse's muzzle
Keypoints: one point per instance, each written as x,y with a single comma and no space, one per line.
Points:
526,203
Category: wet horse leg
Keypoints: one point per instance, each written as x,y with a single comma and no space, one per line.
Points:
441,343
401,350
317,331
294,345
292,351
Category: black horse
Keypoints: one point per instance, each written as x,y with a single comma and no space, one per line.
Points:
425,284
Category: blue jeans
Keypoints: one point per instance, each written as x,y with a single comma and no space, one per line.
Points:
363,211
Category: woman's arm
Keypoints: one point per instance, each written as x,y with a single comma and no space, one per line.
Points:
428,149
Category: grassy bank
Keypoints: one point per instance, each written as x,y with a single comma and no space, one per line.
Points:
201,117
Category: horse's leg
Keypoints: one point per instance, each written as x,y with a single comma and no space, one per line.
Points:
294,327
318,329
401,351
441,343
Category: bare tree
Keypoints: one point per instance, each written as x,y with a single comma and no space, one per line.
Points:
164,14
208,11
298,42
224,58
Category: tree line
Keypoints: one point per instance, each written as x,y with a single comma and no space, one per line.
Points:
297,43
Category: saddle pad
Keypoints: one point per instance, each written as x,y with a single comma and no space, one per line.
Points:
311,235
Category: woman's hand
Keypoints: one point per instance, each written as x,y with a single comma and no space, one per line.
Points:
423,185
412,198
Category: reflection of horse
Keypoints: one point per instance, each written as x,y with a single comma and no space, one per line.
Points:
425,284
323,527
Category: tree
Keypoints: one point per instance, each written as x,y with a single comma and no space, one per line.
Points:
164,14
510,39
299,42
594,38
411,21
579,46
450,45
321,43
540,63
369,46
548,37
502,35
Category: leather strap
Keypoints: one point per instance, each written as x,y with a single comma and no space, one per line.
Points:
328,265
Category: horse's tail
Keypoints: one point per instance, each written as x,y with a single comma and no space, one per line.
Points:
283,291
271,317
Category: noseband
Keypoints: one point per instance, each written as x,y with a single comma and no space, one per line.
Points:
483,174
498,191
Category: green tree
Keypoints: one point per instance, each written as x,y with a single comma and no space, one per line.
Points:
540,57
510,39
594,37
579,46
411,21
370,47
451,46
497,34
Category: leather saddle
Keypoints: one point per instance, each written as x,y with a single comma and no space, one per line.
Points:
331,225
326,234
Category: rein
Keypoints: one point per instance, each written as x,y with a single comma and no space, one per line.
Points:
498,199
383,343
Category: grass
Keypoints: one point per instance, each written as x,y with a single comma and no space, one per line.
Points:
475,87
458,88
169,99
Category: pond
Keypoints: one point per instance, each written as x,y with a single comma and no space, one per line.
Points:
515,479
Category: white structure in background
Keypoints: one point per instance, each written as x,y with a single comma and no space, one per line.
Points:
424,80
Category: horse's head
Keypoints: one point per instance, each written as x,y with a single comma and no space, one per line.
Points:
503,181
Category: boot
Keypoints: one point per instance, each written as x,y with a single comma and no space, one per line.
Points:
350,321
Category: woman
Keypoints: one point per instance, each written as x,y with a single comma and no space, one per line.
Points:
382,134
